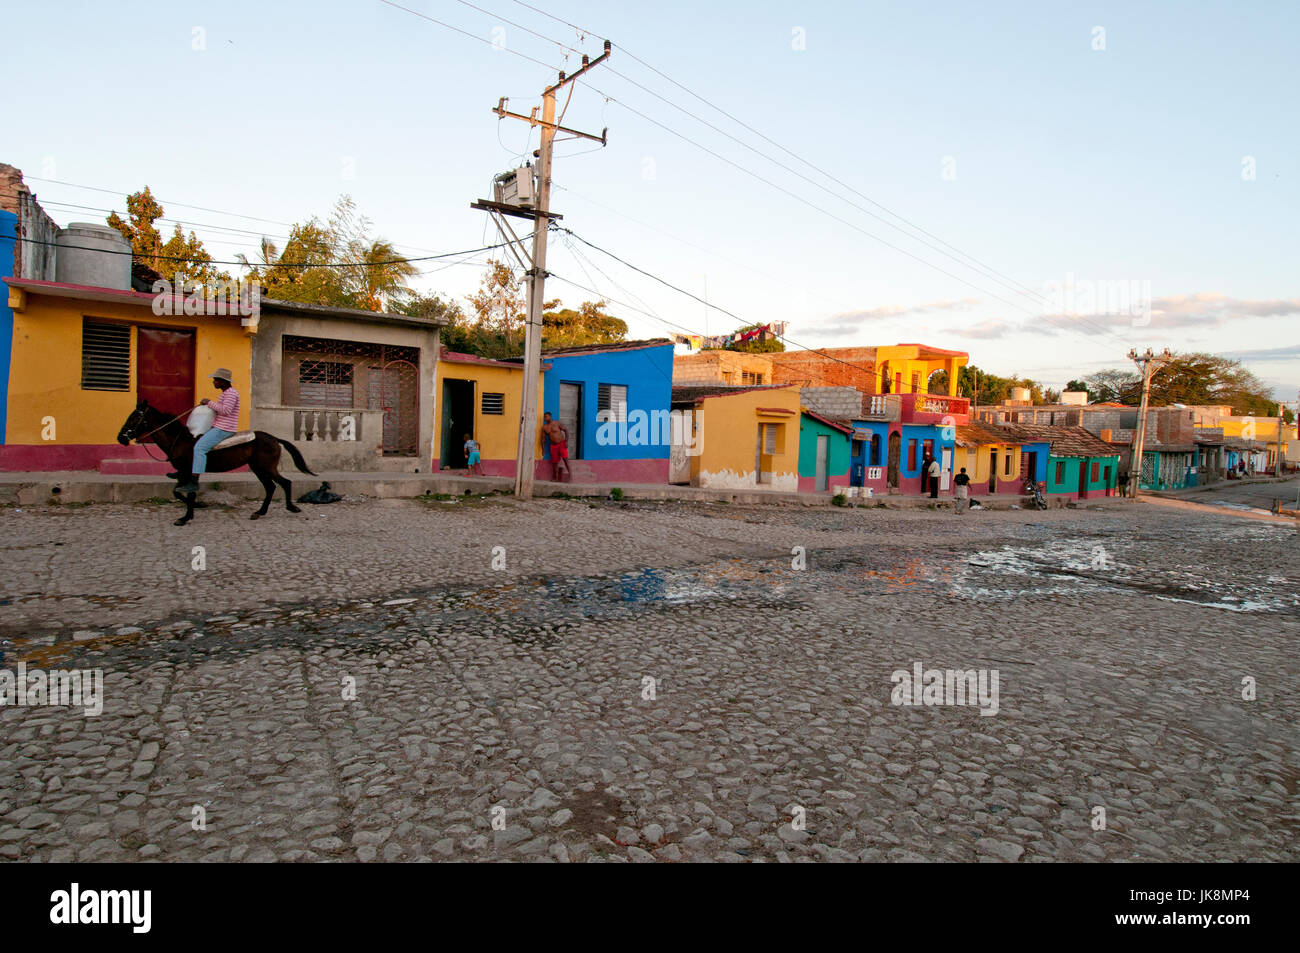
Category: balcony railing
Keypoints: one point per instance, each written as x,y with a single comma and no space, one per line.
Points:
933,408
886,407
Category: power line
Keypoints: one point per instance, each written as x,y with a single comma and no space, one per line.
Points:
283,265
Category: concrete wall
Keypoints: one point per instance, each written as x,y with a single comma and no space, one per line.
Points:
838,403
721,367
268,410
34,257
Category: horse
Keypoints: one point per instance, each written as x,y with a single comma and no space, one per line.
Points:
261,454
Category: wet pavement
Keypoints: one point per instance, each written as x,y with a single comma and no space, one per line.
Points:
574,681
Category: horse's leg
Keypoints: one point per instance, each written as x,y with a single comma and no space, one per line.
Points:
189,510
287,486
270,492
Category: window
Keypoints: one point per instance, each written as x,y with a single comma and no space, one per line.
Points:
911,454
770,438
1060,473
325,383
1095,468
611,402
747,378
1006,466
105,356
494,404
916,383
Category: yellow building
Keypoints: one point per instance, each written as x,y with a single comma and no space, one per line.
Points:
82,357
887,369
739,437
479,397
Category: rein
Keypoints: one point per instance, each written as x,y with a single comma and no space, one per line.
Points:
150,433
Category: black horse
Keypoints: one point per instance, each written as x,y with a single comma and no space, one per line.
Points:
261,454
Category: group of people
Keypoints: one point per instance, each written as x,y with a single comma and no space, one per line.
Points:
553,433
930,474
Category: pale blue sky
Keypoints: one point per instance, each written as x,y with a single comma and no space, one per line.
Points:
1122,164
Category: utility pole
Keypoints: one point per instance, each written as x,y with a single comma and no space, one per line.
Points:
1148,363
541,215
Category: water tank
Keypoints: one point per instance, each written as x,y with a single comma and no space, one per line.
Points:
94,255
1020,394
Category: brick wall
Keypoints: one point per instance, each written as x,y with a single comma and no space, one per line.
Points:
850,367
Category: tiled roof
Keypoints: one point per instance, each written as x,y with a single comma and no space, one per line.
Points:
837,424
979,434
1063,441
595,348
685,393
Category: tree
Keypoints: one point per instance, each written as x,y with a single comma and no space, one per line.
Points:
335,263
1114,385
181,254
565,327
1076,385
498,312
1191,378
986,388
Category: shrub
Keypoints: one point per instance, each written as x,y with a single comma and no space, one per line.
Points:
839,499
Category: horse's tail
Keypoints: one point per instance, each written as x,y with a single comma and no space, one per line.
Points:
298,461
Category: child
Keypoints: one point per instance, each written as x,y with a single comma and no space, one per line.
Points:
472,454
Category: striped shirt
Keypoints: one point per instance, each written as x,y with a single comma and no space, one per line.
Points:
227,408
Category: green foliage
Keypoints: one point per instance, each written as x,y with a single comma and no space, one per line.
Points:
1076,385
839,499
616,493
374,278
149,248
565,327
1191,378
985,388
755,346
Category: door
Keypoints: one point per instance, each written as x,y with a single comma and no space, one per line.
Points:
1029,466
571,417
993,470
457,420
1083,479
823,459
165,369
895,450
945,468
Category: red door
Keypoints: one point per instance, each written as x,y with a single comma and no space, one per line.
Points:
165,362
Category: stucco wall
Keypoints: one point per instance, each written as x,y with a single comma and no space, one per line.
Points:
497,434
267,375
45,371
727,437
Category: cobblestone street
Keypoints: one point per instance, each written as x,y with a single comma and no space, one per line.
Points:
575,680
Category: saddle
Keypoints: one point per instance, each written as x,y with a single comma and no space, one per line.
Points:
244,436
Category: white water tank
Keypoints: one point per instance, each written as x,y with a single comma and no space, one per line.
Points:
93,255
1020,394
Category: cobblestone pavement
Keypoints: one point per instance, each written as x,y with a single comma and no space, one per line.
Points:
506,713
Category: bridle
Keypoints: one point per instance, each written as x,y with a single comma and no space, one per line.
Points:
137,438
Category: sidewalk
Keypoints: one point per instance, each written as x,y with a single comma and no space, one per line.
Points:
33,489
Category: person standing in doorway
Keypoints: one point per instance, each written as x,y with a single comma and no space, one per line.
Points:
934,472
473,456
558,435
962,482
227,422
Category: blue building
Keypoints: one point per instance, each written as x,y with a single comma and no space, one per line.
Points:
615,400
8,241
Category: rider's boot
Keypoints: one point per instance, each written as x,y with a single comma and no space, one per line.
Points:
191,484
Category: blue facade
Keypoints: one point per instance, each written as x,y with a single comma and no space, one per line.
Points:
1041,451
873,452
8,241
646,372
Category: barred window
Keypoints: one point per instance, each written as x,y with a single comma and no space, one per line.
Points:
494,404
751,378
105,356
325,383
612,398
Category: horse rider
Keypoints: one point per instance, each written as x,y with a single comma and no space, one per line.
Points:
226,424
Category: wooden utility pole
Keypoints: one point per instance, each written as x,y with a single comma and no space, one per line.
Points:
1148,363
541,215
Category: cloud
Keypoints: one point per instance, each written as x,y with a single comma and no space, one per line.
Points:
1288,353
992,329
1202,309
849,322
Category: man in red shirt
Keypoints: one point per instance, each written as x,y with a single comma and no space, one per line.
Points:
227,422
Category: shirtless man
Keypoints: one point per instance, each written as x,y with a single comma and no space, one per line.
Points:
558,435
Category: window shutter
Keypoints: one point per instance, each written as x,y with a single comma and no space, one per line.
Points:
494,404
769,439
105,356
612,398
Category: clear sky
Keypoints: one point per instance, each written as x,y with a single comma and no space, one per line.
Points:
1168,161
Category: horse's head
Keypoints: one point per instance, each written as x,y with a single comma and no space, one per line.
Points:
136,424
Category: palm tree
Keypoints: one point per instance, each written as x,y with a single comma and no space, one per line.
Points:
382,274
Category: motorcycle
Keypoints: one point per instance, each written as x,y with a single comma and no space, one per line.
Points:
1035,489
